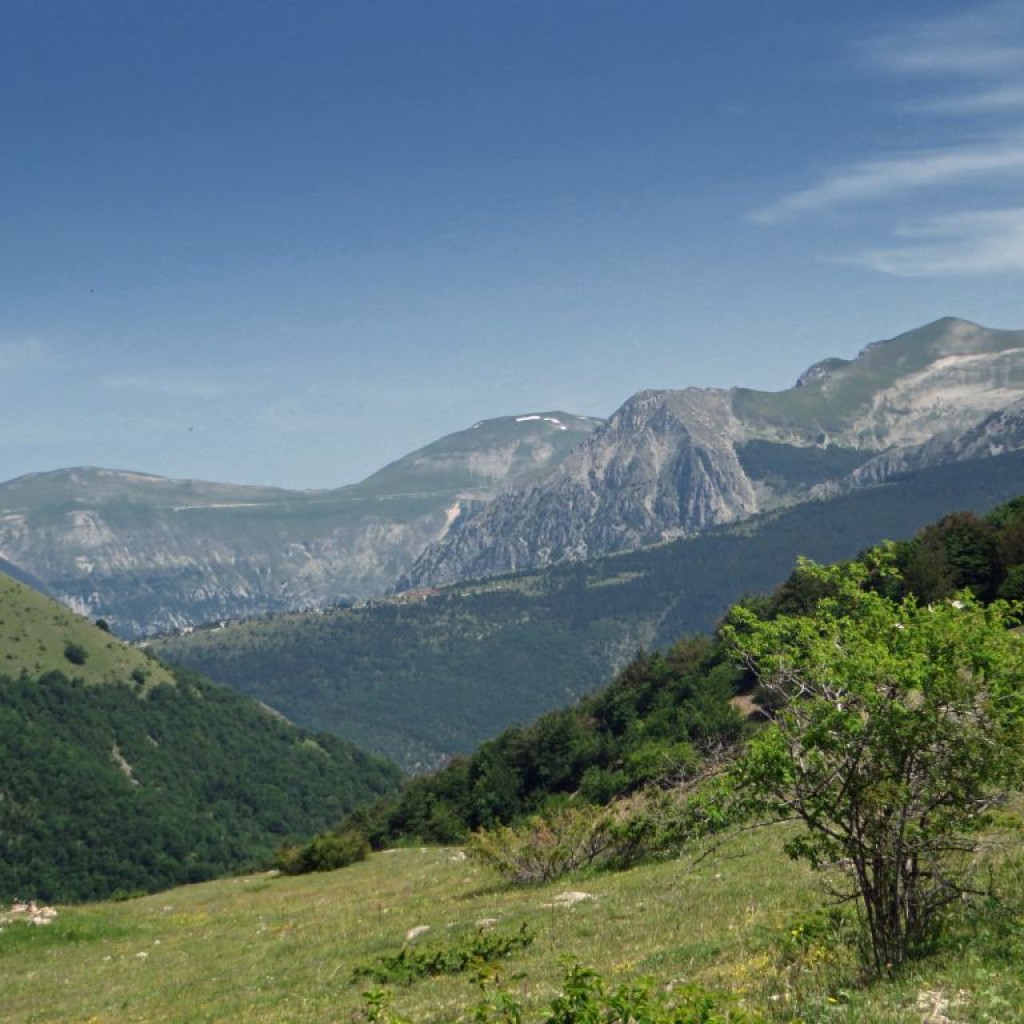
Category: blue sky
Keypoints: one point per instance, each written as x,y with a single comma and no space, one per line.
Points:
288,241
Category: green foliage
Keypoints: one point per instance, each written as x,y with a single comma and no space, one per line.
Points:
326,852
587,998
570,838
548,847
898,724
75,653
960,551
649,727
820,937
411,964
109,788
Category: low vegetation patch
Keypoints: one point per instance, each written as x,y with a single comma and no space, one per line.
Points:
588,998
569,839
545,848
326,852
410,964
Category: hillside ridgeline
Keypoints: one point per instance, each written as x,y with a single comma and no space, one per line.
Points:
117,774
673,463
150,554
666,714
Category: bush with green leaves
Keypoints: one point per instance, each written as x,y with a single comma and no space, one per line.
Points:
410,964
587,998
75,653
325,852
897,726
572,838
549,846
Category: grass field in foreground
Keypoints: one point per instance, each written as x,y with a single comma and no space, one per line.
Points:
276,949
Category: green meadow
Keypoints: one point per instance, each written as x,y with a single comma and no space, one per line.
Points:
739,920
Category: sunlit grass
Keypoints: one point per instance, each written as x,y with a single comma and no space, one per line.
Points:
265,949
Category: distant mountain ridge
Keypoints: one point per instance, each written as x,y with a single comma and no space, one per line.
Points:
670,464
427,676
518,492
152,554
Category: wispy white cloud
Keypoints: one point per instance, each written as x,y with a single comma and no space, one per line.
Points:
981,242
1006,98
881,178
985,42
970,66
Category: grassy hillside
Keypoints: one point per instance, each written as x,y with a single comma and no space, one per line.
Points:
37,636
117,774
730,924
261,949
848,389
420,680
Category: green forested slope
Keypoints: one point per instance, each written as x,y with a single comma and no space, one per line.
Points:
655,721
423,680
662,715
116,774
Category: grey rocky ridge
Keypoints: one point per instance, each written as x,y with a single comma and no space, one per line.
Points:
670,463
149,554
152,555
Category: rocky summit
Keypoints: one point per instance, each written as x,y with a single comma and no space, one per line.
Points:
672,463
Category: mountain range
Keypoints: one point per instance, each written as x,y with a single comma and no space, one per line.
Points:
154,555
149,554
426,675
673,463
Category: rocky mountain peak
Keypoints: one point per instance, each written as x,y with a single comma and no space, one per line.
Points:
674,462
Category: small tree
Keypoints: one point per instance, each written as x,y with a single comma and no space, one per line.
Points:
75,653
897,727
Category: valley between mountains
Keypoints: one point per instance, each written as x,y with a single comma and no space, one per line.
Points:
510,567
516,639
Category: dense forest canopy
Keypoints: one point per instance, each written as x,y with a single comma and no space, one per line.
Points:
109,789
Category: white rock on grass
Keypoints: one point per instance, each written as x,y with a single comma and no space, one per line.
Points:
570,899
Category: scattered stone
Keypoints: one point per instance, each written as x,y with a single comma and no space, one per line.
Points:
414,933
30,913
569,899
933,1004
487,922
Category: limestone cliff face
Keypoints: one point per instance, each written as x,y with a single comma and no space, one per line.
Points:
664,463
673,463
998,433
